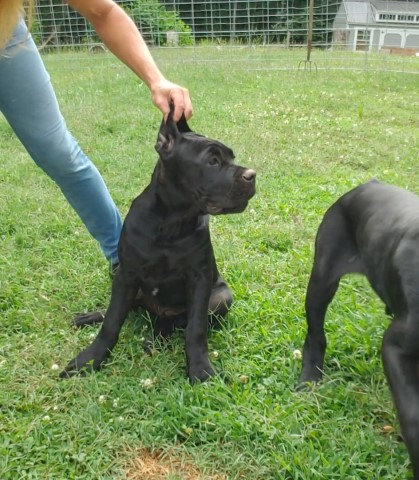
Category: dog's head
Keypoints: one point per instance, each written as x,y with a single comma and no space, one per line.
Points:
203,169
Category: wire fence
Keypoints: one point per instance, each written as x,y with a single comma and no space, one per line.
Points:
370,27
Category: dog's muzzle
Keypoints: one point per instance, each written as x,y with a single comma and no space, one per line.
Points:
238,197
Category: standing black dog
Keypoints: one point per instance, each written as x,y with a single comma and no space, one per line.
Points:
167,263
373,230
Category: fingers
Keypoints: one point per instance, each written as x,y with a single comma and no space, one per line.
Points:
169,92
182,102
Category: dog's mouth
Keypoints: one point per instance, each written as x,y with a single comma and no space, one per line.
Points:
214,209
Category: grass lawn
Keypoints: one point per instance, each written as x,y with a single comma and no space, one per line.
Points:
311,137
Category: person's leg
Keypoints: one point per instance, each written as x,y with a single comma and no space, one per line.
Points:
28,102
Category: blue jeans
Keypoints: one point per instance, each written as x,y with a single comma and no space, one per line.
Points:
28,102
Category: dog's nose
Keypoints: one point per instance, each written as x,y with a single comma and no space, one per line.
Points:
249,175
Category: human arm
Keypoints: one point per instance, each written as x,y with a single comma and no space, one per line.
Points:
121,36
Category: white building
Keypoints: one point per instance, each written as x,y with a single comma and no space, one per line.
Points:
377,25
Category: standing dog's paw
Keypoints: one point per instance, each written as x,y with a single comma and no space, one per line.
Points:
306,386
200,372
309,378
90,359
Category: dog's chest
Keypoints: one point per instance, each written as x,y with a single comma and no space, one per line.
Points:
173,268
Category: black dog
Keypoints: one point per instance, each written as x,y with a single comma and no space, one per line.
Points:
167,264
373,230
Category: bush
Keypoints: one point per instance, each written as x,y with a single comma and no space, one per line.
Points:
154,21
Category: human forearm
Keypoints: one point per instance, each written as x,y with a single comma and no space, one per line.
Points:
121,36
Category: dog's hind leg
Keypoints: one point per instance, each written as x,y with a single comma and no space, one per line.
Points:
163,328
400,354
220,300
90,318
335,255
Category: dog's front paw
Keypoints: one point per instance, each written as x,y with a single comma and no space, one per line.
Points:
200,372
90,359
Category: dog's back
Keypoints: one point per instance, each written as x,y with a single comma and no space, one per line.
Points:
385,207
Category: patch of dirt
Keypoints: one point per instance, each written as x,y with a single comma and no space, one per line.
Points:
161,465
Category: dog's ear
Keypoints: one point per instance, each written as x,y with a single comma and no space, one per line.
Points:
169,132
167,136
182,125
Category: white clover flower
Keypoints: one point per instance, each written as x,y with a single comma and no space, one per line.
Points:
46,418
115,402
54,366
214,354
297,355
147,383
101,399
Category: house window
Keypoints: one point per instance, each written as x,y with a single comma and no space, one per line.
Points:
387,17
363,40
406,18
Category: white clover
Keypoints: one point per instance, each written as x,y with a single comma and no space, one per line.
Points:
101,399
147,382
54,366
297,355
46,418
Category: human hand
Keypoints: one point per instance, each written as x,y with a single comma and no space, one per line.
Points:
165,92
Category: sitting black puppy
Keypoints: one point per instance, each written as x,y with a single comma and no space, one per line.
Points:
373,230
167,263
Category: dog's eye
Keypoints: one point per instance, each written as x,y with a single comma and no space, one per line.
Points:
213,161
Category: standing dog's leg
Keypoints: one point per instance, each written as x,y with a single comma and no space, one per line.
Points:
320,292
400,353
92,358
335,255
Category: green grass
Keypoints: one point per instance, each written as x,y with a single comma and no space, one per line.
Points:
311,137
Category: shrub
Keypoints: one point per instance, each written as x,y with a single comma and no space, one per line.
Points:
154,21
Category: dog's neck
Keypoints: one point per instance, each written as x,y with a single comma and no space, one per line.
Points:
172,201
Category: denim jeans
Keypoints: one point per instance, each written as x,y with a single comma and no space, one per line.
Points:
28,102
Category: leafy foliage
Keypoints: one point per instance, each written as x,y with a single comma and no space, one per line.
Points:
58,24
154,21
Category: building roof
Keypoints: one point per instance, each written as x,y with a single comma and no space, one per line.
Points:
392,6
364,11
359,12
